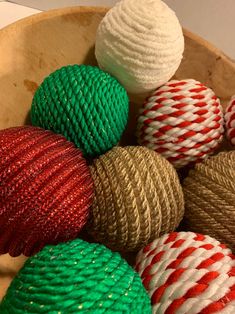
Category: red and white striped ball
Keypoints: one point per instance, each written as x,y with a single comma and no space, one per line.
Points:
230,121
182,120
188,273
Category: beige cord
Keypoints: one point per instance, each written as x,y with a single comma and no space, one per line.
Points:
137,198
210,198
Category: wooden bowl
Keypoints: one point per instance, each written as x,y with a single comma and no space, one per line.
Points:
34,47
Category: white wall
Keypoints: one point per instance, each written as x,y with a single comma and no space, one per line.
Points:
50,4
214,20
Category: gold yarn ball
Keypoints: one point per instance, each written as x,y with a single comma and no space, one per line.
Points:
210,198
138,197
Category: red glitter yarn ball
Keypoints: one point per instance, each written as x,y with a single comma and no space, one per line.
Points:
45,190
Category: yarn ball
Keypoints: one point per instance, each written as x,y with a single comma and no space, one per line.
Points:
76,277
45,190
209,192
230,121
137,198
188,273
88,106
141,43
183,121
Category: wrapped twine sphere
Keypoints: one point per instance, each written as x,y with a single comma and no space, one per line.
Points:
86,105
137,197
230,121
76,277
141,43
188,273
182,120
45,190
209,192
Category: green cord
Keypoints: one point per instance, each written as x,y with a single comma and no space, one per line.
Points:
88,106
76,277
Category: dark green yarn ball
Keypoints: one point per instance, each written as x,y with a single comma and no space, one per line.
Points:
76,277
83,103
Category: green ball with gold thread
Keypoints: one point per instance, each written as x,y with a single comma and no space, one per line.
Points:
85,104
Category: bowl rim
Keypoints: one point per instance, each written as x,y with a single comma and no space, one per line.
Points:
46,15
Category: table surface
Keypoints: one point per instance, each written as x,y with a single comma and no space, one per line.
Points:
10,12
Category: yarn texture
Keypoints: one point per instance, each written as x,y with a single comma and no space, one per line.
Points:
210,198
85,104
137,197
188,273
76,277
45,190
183,121
230,121
141,43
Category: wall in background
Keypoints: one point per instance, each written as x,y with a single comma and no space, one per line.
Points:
213,20
51,4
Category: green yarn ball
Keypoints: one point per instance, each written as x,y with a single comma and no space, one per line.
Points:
85,104
76,277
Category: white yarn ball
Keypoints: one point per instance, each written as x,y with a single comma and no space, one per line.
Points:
141,43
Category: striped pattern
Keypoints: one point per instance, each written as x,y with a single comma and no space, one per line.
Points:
230,121
45,190
182,120
188,273
141,43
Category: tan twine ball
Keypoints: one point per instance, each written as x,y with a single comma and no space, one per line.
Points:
137,198
210,198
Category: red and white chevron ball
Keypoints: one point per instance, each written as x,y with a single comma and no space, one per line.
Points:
188,273
230,120
182,120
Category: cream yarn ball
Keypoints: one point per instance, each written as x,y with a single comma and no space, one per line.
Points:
140,43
